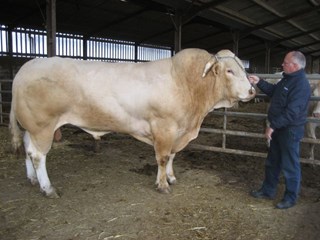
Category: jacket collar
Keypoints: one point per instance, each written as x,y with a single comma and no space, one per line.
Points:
294,74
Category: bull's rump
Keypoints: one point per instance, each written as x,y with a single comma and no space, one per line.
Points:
101,96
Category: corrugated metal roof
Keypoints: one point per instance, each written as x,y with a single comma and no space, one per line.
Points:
208,24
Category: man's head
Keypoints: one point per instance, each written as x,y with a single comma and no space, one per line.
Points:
293,62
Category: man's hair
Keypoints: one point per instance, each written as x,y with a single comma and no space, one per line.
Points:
299,58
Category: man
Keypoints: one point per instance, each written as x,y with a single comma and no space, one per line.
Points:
287,116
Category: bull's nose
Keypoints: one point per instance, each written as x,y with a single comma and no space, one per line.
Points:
252,91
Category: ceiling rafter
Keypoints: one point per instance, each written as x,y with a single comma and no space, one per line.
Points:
195,10
279,20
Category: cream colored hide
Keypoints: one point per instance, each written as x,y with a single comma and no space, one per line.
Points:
313,111
161,103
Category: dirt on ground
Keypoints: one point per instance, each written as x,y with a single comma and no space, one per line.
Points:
112,195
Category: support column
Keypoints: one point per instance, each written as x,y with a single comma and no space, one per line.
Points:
311,64
267,58
10,51
51,27
136,52
236,38
177,32
51,42
85,47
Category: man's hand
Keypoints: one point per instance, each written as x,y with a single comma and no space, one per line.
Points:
253,79
268,133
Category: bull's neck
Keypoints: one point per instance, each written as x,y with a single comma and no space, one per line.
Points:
205,95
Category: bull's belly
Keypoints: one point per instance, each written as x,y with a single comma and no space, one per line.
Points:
139,129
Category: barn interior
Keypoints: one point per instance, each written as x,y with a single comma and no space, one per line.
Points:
110,195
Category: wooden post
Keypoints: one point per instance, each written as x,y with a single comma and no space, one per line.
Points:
51,27
85,47
177,32
236,38
51,42
267,59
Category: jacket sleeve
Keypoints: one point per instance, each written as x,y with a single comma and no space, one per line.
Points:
266,87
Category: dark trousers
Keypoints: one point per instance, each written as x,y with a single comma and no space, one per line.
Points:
283,156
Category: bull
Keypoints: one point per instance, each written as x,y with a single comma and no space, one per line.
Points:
162,103
313,111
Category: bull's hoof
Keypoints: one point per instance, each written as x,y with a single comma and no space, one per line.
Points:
172,181
53,194
33,181
165,190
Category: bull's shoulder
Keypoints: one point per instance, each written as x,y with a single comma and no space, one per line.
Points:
189,63
189,52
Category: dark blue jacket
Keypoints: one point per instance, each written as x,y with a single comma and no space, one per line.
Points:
289,100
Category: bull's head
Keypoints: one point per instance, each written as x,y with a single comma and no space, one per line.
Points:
228,68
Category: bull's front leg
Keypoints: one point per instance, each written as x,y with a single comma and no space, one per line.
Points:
169,170
161,182
164,137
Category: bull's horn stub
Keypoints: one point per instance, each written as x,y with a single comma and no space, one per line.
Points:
207,67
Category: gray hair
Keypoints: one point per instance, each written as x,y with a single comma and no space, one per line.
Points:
299,58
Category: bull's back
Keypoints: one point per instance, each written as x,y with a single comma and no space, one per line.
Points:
90,94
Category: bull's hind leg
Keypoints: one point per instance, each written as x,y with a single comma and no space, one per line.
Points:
36,168
31,173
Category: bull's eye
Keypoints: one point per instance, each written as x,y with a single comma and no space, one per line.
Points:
230,71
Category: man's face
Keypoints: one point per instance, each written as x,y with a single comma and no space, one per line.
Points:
288,65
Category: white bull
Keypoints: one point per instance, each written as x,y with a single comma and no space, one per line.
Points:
161,103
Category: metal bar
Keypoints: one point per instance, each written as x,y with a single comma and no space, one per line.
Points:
5,103
278,76
240,114
250,134
6,80
226,150
230,132
5,91
224,137
255,115
242,152
264,96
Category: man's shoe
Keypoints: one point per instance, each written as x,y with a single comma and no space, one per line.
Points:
285,204
260,194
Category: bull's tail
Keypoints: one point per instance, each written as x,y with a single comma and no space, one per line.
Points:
16,133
